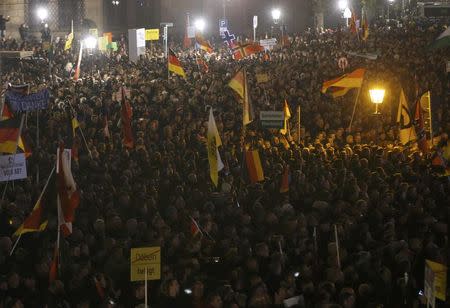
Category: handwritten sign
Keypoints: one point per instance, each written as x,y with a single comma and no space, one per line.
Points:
145,259
13,168
151,34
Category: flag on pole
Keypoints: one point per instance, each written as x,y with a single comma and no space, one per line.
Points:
341,85
284,187
195,229
353,21
126,115
9,134
187,41
254,167
365,26
241,51
175,64
419,125
443,40
69,40
287,116
407,132
239,84
78,68
202,43
68,195
213,143
202,66
36,222
7,114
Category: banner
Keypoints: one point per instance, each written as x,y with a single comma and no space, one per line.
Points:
262,78
13,168
35,101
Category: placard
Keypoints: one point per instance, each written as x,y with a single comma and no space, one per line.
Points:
145,259
151,34
272,119
13,168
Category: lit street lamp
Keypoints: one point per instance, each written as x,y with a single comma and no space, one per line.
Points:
342,4
377,96
200,25
90,42
276,14
42,13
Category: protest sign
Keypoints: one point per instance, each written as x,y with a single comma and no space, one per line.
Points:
151,34
13,168
272,119
35,101
145,259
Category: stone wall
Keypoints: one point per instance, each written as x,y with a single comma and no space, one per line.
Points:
16,10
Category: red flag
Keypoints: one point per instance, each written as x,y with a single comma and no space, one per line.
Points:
353,28
68,195
242,51
202,66
127,113
53,272
78,68
187,41
195,229
285,180
419,124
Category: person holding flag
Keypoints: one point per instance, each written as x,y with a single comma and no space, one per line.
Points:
213,143
174,65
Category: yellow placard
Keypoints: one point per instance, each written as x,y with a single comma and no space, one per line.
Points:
146,258
440,279
261,78
93,32
102,43
151,34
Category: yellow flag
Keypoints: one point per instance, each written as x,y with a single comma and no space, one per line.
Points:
213,142
407,131
75,124
287,116
69,40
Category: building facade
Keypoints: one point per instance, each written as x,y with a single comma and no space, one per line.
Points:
119,15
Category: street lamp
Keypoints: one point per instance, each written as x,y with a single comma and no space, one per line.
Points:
200,24
42,13
376,96
276,14
90,42
342,4
115,2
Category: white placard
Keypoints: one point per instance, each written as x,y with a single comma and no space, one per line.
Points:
13,168
140,37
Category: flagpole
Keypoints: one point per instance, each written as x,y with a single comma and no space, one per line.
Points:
81,131
37,144
337,247
354,109
39,200
299,127
14,157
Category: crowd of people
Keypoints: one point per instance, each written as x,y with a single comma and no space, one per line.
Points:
386,203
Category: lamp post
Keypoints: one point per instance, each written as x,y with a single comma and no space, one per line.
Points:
276,15
389,7
376,96
200,25
42,14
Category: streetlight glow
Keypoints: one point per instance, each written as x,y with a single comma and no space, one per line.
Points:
276,14
90,42
42,13
200,24
376,96
342,4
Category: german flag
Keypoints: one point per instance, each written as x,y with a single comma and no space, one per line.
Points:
242,51
239,85
7,114
203,44
9,135
36,222
341,85
365,27
353,19
175,65
254,168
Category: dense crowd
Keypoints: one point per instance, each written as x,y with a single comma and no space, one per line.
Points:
386,203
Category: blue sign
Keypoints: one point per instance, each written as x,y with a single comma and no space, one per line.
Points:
19,102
